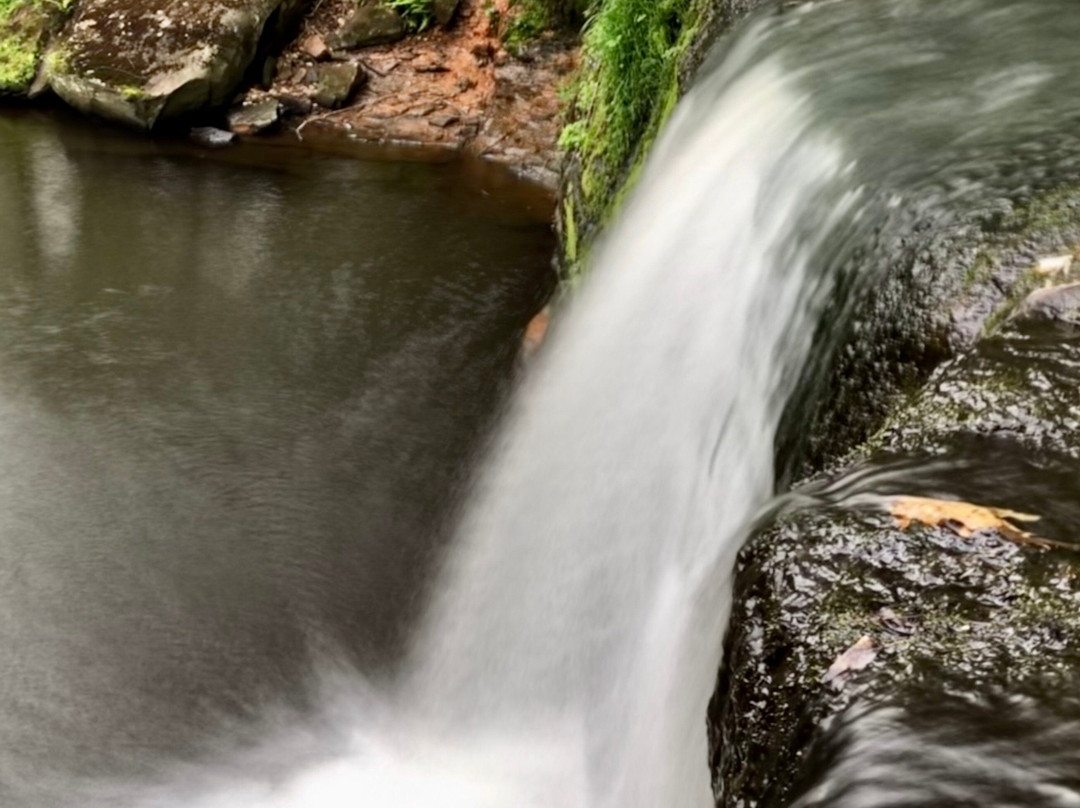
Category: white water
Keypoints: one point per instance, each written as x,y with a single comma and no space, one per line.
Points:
570,653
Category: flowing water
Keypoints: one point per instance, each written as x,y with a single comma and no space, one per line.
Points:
572,640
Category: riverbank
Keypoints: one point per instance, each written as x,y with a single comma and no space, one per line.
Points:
476,77
459,89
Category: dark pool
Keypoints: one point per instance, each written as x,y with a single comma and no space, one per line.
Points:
239,394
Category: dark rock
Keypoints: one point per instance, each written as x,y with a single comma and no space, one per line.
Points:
983,614
211,137
295,104
255,117
979,615
371,24
445,10
337,83
269,70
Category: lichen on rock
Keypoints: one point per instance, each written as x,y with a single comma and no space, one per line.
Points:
142,62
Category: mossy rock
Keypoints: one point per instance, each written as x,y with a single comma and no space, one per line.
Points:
142,61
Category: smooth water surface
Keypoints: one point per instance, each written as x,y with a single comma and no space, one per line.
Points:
238,394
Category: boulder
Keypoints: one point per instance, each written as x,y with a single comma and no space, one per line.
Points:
1055,303
337,82
142,61
373,23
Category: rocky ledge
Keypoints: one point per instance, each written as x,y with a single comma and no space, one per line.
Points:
935,566
455,75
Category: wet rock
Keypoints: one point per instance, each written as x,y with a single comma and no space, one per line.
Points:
337,83
211,137
1056,303
445,10
953,598
373,23
142,61
255,117
807,641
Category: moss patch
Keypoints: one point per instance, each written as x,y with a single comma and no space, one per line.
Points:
24,28
629,84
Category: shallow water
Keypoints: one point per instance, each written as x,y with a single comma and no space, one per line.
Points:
239,392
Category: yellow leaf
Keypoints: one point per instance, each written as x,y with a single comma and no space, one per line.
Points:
964,518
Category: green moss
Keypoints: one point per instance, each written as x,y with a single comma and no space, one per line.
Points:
24,25
627,88
570,237
132,92
18,62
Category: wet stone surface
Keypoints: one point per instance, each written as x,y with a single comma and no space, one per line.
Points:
838,609
983,612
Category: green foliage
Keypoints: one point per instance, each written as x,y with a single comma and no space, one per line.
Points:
419,15
627,88
529,19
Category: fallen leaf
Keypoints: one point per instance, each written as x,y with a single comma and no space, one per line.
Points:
536,332
965,519
856,658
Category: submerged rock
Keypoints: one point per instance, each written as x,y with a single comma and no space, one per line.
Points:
211,137
142,62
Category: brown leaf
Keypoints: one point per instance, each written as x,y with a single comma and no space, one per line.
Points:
964,519
856,658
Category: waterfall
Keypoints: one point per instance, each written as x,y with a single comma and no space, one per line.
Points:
570,651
